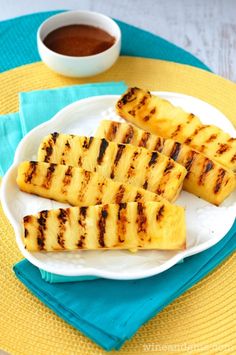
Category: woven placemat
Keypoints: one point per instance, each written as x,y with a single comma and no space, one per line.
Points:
150,73
16,51
202,321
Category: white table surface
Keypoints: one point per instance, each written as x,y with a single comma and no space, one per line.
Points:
206,28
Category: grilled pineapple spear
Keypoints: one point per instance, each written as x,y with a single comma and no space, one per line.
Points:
206,178
133,225
125,163
159,116
77,186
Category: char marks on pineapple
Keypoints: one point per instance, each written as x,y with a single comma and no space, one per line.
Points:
87,142
141,220
80,162
83,211
84,183
62,219
128,97
121,222
138,197
112,131
176,131
145,185
102,149
131,171
208,166
67,145
211,138
31,171
142,102
146,118
153,159
190,117
175,151
233,158
160,213
195,133
169,166
26,219
68,176
102,225
26,233
144,139
128,135
49,145
49,177
119,153
188,140
82,223
42,220
189,161
222,148
99,198
54,136
62,216
120,194
159,144
219,181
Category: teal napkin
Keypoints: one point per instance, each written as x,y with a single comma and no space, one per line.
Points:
39,106
10,136
110,312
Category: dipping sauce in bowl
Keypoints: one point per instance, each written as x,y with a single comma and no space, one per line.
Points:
79,43
79,40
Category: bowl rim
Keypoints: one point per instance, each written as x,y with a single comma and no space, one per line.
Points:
83,58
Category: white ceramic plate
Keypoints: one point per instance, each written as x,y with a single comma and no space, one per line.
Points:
206,224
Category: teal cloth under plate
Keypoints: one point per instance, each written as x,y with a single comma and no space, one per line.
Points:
16,50
110,312
39,106
10,136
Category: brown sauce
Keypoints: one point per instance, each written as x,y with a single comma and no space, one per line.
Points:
78,40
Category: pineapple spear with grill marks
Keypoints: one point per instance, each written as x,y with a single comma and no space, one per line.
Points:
133,225
206,178
152,171
77,186
159,116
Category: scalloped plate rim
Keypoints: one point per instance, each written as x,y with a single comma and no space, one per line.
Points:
93,271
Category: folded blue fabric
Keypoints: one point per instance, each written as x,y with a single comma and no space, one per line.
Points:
10,136
110,312
39,106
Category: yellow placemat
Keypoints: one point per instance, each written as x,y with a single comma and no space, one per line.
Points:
202,321
148,73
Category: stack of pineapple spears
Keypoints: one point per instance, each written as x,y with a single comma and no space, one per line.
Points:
124,180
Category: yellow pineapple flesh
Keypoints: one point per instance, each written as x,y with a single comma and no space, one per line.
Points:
133,225
77,186
160,117
125,163
206,178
